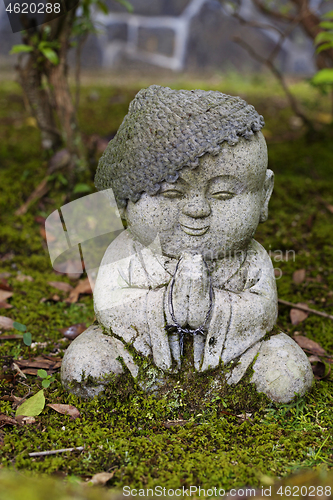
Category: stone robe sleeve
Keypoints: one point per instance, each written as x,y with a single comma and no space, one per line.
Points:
245,309
129,298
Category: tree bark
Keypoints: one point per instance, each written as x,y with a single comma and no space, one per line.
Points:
56,99
30,79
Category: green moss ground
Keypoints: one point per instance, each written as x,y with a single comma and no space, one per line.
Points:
125,432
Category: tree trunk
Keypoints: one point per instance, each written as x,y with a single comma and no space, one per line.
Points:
64,106
30,78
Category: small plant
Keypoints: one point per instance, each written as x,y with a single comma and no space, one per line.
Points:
47,379
23,329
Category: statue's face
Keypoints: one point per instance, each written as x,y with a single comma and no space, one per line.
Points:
213,209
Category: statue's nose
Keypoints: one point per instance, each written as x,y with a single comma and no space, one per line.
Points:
197,206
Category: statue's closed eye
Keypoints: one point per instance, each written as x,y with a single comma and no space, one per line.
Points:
222,195
172,193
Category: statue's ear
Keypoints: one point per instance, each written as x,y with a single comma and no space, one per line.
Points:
267,192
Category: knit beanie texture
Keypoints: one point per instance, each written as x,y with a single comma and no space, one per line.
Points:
166,130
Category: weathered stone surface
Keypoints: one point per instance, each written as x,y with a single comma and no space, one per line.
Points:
185,284
244,362
282,369
94,355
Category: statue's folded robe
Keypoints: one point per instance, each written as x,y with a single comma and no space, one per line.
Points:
130,301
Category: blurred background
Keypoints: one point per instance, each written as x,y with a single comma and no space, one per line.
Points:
187,35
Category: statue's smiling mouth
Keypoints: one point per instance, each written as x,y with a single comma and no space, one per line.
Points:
194,231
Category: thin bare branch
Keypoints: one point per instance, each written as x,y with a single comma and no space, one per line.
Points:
267,62
273,13
283,37
54,452
254,24
306,309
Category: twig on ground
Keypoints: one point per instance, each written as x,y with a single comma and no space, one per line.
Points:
39,192
54,452
305,308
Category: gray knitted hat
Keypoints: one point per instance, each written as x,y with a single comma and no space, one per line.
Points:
166,130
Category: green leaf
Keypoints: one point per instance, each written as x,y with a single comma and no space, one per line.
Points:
102,6
127,5
82,188
27,338
323,36
46,383
50,55
21,48
324,46
42,373
19,327
323,77
328,25
32,406
62,179
328,15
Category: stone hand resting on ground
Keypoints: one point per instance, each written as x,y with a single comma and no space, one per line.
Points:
189,292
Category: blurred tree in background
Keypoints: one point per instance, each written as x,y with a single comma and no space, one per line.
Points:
283,17
43,74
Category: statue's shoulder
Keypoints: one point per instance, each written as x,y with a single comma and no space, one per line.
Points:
256,252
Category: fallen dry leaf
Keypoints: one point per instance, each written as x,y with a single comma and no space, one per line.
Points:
310,345
40,219
61,285
4,419
7,256
13,399
24,277
31,366
73,331
18,370
22,420
320,370
101,478
5,305
299,276
297,315
313,358
309,221
70,410
4,295
5,275
83,287
4,285
6,323
11,337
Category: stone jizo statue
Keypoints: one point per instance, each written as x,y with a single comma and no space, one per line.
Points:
186,286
